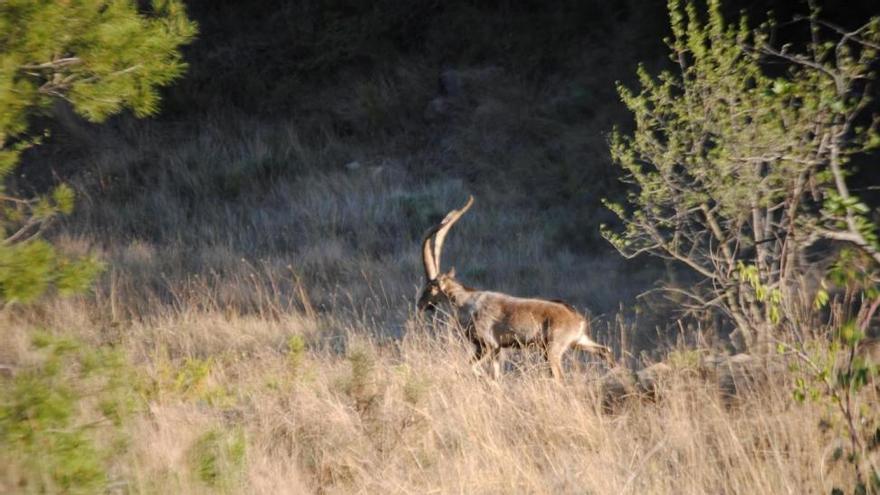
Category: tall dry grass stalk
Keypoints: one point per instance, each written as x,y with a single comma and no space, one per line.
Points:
349,412
264,294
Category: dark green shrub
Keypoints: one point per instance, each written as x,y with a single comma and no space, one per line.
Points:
55,417
218,458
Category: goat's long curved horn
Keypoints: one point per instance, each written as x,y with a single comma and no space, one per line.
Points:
431,270
444,227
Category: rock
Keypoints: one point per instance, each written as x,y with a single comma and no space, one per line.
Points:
620,385
743,374
649,379
736,377
617,386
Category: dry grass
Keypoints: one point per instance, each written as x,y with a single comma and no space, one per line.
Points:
278,352
351,414
263,291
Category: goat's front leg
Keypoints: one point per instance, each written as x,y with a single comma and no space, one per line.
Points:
478,357
496,364
484,352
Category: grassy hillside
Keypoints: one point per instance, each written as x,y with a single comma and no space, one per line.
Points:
294,401
262,246
335,183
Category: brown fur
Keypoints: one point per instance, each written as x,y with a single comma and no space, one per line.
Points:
493,320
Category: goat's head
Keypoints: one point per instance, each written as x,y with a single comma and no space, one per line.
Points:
435,291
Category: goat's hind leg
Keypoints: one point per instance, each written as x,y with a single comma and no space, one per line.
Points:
554,353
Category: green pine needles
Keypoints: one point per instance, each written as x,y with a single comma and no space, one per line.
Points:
102,57
60,417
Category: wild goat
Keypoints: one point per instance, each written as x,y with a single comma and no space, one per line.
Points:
493,320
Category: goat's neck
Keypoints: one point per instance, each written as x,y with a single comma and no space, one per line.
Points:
458,294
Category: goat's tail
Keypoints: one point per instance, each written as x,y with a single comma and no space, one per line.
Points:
584,342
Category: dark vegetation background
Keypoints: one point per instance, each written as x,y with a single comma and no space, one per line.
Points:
313,142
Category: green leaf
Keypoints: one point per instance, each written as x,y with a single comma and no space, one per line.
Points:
821,299
850,333
781,86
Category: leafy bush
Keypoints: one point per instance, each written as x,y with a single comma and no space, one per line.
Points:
737,170
55,415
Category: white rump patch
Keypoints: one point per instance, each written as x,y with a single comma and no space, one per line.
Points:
584,341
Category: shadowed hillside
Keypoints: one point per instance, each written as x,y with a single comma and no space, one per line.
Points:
327,110
262,239
511,101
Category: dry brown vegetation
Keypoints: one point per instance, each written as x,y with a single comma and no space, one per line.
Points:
306,369
351,413
262,270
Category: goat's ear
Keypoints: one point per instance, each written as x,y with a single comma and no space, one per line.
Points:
451,272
